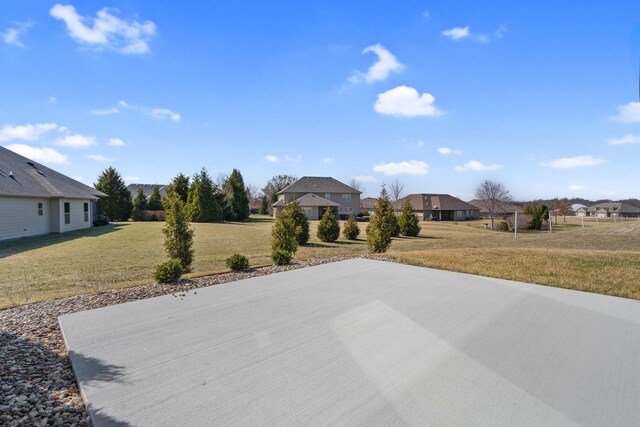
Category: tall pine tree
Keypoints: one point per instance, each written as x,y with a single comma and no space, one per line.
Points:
179,186
236,196
202,203
140,201
117,205
178,236
382,225
155,200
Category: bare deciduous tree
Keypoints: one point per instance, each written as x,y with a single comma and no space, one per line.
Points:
254,196
494,197
396,192
276,184
564,208
356,185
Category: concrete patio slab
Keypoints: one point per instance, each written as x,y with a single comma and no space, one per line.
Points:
361,342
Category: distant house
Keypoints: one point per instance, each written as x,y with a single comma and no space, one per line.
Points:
36,200
613,210
367,204
503,211
315,194
581,210
440,207
147,189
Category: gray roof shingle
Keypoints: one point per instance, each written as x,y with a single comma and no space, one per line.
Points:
442,202
319,184
22,177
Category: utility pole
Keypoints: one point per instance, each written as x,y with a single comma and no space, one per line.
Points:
515,229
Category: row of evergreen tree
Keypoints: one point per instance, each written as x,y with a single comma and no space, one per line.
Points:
204,200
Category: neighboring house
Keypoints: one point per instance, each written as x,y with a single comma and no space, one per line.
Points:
439,207
613,210
367,204
36,200
147,189
504,211
580,211
314,194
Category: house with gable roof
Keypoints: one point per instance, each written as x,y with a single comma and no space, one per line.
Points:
315,194
35,199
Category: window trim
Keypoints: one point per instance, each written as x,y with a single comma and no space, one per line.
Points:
40,209
67,213
86,212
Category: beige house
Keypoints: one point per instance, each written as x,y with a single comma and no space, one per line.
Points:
613,210
315,194
36,200
439,207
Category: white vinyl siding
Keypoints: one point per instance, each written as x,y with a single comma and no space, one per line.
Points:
19,217
75,216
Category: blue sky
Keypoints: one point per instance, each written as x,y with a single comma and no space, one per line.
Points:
541,96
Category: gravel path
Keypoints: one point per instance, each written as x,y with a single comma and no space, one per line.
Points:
37,385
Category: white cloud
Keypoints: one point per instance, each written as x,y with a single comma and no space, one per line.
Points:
574,162
380,70
412,167
627,139
104,111
404,101
116,142
447,151
12,34
52,100
629,113
76,141
457,33
420,144
577,187
295,159
475,165
365,178
125,104
328,160
99,158
106,30
131,179
27,132
426,14
271,158
165,113
43,155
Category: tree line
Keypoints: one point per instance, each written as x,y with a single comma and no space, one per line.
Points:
203,199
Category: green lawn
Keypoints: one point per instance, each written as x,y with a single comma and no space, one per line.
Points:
602,257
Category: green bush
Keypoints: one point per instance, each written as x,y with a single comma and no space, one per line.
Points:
168,272
408,221
281,257
295,215
351,229
503,226
237,262
178,235
382,225
328,227
283,236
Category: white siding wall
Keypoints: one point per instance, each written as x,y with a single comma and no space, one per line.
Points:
77,215
19,217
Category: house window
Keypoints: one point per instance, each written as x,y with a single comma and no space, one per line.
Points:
346,198
307,212
345,210
67,213
327,196
40,210
86,212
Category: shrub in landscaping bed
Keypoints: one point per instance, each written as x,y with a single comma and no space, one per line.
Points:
351,229
168,272
502,226
237,262
281,257
328,227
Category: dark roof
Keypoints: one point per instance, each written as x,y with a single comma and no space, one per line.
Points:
614,207
440,202
368,203
22,177
504,208
318,184
147,189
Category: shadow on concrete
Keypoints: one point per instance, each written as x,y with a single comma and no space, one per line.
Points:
14,247
30,369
